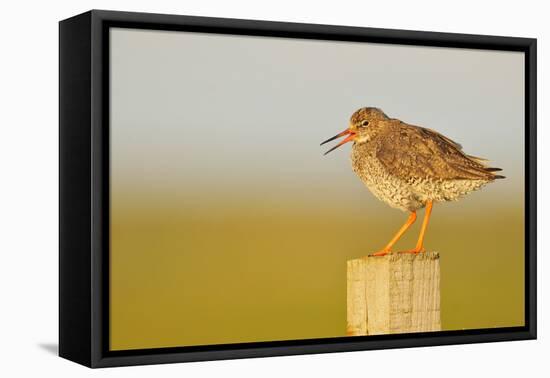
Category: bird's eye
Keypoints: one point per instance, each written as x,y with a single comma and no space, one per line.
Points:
365,123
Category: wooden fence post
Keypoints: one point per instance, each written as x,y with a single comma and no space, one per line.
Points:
395,293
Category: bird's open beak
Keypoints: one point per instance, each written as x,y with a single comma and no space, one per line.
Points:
350,135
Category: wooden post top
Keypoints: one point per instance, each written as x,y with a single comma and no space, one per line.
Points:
394,293
396,256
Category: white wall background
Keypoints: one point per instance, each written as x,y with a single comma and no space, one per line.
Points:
29,186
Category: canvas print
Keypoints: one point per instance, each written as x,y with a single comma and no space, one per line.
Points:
229,223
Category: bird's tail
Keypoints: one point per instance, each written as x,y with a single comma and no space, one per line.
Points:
491,169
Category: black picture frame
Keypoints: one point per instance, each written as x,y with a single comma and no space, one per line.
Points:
84,187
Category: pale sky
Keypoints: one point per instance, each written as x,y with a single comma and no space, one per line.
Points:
196,111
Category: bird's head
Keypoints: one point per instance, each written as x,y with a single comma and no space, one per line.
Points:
360,124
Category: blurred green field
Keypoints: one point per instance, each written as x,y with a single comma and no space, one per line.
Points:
258,271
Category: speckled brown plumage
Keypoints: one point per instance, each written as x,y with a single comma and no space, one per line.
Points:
405,165
410,167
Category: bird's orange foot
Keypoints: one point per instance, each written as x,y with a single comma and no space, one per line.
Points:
414,250
382,252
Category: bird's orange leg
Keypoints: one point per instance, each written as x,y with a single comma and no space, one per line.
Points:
402,230
419,245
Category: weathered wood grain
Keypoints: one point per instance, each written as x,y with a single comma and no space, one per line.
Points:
396,293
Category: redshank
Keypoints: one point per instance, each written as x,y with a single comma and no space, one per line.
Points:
410,167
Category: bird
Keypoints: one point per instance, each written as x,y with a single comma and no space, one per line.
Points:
410,167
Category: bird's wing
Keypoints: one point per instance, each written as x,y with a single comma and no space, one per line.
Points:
416,152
